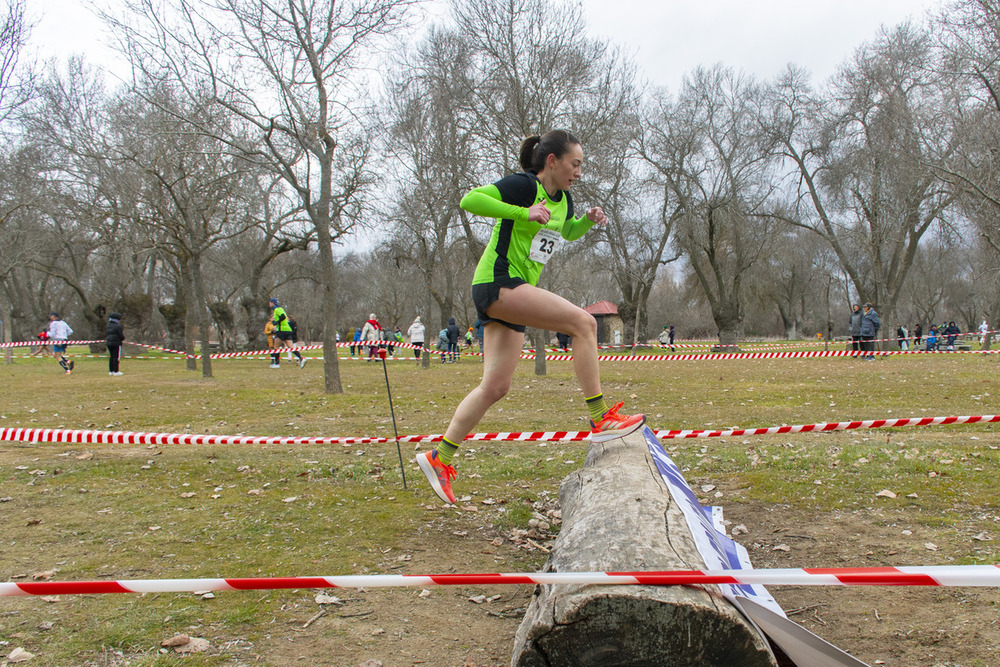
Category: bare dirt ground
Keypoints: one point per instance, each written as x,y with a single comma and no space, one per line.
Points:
879,625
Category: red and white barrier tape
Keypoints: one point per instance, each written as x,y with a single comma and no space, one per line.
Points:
569,357
934,575
50,341
751,355
156,347
76,436
828,426
264,353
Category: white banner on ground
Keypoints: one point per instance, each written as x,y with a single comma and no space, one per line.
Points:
720,552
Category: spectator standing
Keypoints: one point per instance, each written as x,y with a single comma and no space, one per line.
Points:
371,333
902,337
563,340
389,338
397,337
416,334
356,341
870,324
855,324
984,329
114,339
283,331
932,339
918,333
664,336
59,332
951,331
479,325
452,341
269,336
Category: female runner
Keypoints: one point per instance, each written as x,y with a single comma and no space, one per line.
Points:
534,213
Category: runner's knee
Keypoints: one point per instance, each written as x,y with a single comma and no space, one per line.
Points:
585,325
494,390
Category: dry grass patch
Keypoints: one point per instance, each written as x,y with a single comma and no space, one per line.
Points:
116,512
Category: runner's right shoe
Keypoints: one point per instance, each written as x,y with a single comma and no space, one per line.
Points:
438,474
614,425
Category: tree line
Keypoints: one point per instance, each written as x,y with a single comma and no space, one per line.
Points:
317,151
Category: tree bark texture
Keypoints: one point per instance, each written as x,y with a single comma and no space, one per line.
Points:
618,515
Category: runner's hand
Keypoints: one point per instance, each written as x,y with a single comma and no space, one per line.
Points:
538,213
596,216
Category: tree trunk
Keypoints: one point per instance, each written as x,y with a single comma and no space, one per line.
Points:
190,319
204,320
618,515
254,303
331,366
5,319
538,337
992,316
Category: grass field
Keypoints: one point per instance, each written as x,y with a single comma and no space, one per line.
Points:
71,512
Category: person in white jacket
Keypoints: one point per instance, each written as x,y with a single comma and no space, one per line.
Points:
371,333
416,334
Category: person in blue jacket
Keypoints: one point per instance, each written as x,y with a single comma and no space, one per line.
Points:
932,339
870,324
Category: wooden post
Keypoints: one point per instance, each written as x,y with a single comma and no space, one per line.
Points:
618,515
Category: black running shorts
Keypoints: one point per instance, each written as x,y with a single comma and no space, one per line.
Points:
484,294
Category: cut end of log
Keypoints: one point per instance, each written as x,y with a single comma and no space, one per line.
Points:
621,629
618,516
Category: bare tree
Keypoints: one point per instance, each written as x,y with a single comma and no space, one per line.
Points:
280,227
859,156
968,38
719,170
792,279
432,144
16,80
290,74
190,192
589,88
15,86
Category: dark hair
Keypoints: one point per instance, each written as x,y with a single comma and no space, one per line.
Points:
535,149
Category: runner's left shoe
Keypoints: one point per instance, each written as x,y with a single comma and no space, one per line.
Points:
614,425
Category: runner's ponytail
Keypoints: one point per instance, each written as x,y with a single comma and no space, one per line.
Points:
535,149
527,158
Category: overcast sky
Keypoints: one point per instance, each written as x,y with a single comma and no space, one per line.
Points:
667,37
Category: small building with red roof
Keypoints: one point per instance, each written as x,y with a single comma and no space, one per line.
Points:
610,327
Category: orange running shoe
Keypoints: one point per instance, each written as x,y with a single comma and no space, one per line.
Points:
438,474
614,425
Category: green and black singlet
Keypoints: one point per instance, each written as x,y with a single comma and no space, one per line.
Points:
518,247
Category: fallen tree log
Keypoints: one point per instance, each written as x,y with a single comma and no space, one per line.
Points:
618,516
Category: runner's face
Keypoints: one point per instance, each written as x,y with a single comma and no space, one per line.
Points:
567,169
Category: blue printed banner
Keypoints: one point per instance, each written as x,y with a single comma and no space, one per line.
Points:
718,551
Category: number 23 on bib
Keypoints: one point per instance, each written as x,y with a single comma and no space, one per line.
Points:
544,245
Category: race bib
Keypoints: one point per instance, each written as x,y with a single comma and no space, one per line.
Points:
544,245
